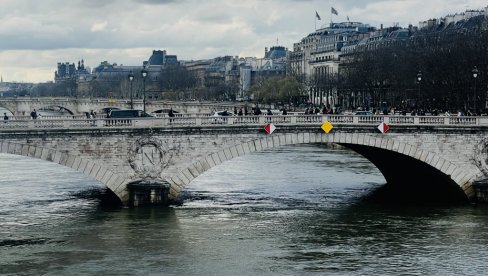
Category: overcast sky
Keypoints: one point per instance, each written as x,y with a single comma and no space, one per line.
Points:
35,35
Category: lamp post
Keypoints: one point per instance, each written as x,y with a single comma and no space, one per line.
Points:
475,75
131,78
380,89
144,75
419,79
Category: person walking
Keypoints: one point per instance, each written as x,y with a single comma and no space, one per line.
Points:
33,114
171,114
5,117
257,111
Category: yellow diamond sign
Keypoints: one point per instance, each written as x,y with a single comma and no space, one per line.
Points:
327,127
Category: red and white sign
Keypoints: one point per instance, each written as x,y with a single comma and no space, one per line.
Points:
383,127
270,128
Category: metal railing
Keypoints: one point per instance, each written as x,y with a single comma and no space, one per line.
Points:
65,122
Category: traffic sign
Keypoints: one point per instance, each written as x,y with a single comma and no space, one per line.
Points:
270,128
327,127
383,127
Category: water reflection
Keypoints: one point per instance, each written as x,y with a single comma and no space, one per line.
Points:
293,211
371,239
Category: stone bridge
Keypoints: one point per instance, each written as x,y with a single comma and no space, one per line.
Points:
166,154
76,106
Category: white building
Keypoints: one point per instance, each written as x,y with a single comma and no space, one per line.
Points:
453,18
316,58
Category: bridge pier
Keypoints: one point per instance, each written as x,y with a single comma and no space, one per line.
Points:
481,190
148,193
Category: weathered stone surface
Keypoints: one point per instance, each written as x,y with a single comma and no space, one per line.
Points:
186,153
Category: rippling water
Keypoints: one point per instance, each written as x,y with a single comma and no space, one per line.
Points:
298,210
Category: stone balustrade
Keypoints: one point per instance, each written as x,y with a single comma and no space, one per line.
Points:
23,122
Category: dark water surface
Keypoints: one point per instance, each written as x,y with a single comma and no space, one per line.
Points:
297,210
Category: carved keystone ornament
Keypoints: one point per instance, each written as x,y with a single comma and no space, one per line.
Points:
481,156
149,157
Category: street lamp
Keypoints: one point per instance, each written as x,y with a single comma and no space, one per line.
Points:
144,75
380,88
419,79
475,75
131,78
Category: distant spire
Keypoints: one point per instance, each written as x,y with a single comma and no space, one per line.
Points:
1,80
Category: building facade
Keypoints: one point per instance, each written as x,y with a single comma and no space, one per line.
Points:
238,74
111,80
316,58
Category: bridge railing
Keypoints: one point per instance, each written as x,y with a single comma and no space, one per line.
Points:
338,119
370,120
83,122
308,119
52,117
402,120
431,120
465,120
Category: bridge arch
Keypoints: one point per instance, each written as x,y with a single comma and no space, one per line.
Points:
110,179
10,111
365,144
54,108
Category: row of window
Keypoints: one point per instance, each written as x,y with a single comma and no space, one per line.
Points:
324,58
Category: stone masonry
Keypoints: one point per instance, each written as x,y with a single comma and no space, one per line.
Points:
176,155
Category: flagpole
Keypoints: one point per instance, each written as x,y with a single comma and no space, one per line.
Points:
331,16
330,13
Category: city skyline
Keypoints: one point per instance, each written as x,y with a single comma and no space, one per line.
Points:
35,36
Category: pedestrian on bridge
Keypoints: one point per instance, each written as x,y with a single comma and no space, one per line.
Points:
33,114
5,117
257,111
171,114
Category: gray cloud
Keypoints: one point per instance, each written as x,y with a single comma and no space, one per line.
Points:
156,2
125,31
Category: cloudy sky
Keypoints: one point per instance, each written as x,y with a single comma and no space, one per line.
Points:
35,35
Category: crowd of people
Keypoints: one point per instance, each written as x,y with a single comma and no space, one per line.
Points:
311,110
256,111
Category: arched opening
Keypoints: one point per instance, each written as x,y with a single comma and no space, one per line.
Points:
407,180
303,175
410,180
54,110
32,182
6,111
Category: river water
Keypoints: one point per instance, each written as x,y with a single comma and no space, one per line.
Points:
297,210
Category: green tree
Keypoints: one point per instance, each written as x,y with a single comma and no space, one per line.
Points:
278,90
